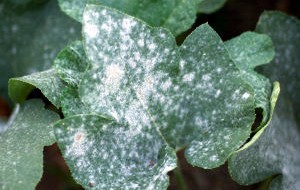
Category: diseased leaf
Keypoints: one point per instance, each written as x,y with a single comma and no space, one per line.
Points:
21,146
217,110
103,154
287,60
248,51
31,36
210,6
71,103
71,63
175,15
276,154
135,77
47,81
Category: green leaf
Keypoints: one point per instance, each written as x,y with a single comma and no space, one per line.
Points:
275,154
31,36
248,51
21,146
71,103
210,6
175,15
217,110
71,63
47,81
135,77
103,154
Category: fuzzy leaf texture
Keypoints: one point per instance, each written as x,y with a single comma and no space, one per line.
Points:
156,95
31,36
275,155
175,15
248,51
22,143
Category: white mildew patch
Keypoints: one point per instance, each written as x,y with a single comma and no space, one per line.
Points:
246,95
112,154
114,75
133,79
128,70
92,30
213,103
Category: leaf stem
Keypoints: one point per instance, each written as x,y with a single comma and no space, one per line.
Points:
179,178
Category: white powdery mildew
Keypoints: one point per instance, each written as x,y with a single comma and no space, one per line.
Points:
79,145
114,75
188,77
246,95
92,30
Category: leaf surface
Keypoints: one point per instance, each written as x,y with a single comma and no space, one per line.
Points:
31,36
47,81
275,154
175,15
103,154
248,51
22,143
194,95
71,63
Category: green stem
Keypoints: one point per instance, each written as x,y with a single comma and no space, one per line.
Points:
180,179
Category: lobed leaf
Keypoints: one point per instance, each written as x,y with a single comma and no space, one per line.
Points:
248,51
22,143
135,77
31,36
47,81
71,63
275,154
103,154
175,15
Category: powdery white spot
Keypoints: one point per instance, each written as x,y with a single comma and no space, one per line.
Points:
114,74
219,70
218,93
152,46
188,77
206,77
77,147
213,158
128,24
91,30
246,95
166,85
141,42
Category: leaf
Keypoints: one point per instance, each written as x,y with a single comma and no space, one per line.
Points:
275,154
135,78
248,51
210,6
47,81
31,36
71,103
103,154
21,146
175,15
71,63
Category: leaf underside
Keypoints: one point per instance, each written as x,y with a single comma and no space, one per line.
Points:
276,153
22,143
